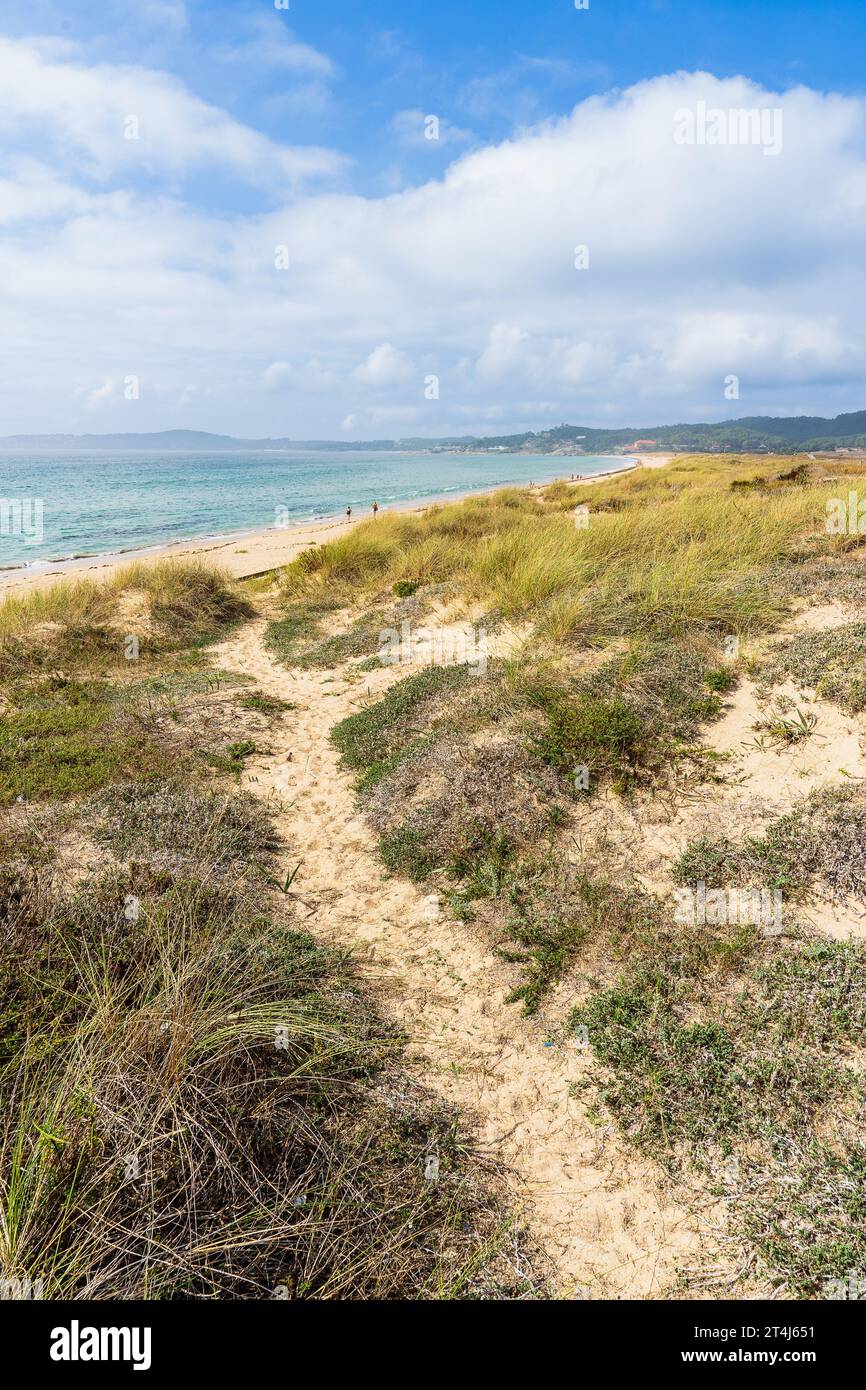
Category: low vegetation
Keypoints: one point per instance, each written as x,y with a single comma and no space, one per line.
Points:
719,1050
199,1101
821,842
831,662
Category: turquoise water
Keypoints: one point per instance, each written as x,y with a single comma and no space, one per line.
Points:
103,503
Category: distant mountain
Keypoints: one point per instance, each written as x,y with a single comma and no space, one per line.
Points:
200,441
172,441
755,433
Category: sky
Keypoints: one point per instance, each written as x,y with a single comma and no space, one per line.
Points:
359,219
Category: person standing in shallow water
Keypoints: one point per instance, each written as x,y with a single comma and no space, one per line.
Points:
375,508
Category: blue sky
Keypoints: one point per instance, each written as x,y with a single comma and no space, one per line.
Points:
138,285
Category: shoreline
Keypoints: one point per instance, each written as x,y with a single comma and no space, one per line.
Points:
245,554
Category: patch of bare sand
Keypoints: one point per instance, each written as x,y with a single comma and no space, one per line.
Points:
818,617
759,779
609,1221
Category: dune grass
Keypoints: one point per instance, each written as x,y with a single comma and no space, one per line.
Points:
673,551
196,1104
81,622
197,1100
259,1167
723,1053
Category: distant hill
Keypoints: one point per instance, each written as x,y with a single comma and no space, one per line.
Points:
173,441
753,433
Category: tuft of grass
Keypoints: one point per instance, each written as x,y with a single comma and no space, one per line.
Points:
188,601
261,703
721,679
604,735
197,1104
403,851
82,626
787,729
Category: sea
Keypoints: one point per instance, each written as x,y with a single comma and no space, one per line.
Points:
65,506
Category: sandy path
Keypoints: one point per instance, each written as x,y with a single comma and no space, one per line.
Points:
602,1215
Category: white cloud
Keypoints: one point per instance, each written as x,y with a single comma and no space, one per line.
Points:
505,353
384,367
703,261
310,376
270,45
114,119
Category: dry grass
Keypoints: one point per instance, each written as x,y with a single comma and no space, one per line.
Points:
197,1103
84,623
671,551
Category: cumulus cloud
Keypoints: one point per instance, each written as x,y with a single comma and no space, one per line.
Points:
124,120
384,367
700,261
309,376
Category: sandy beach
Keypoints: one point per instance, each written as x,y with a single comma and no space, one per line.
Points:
246,554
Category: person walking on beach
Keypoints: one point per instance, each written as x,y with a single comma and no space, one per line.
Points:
348,513
375,508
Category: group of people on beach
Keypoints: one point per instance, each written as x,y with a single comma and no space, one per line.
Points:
349,511
376,504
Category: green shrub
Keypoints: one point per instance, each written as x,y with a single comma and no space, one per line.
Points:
721,679
605,735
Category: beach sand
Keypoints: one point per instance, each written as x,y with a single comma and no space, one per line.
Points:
245,555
